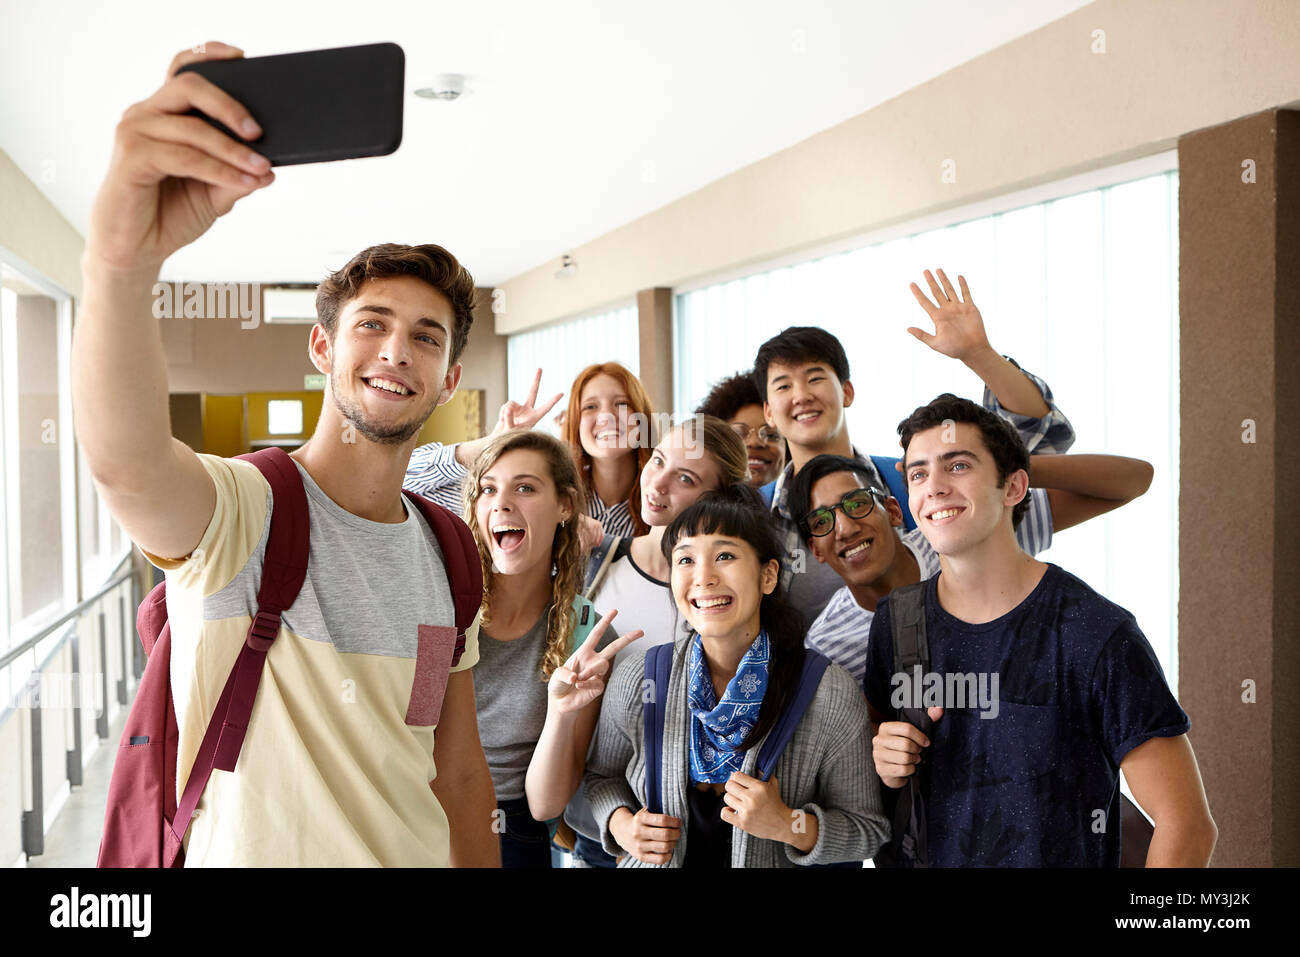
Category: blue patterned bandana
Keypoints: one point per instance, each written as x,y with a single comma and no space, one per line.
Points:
719,728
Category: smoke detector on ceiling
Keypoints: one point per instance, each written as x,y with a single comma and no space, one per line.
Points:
446,86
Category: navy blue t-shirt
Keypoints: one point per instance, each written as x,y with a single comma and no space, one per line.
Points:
1038,784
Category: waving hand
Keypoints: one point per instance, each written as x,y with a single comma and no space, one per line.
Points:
958,325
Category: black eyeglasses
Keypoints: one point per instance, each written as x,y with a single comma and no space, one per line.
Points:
855,504
766,434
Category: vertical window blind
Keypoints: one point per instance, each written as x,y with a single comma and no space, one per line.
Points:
566,348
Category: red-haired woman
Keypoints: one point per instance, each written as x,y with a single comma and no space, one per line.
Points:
609,426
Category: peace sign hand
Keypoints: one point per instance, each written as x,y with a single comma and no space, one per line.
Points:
524,415
958,325
581,679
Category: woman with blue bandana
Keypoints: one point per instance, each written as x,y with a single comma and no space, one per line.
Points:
732,678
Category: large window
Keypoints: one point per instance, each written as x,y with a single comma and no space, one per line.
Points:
59,541
566,348
1077,282
39,507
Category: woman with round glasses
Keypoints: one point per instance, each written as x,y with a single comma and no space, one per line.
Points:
736,401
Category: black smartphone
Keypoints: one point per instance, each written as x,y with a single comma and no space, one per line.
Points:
317,106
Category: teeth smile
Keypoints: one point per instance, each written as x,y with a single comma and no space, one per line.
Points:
805,416
710,602
388,386
856,549
943,513
514,532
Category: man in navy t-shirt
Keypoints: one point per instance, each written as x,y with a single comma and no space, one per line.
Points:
1059,689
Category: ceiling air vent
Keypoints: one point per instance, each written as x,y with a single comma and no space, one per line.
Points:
287,304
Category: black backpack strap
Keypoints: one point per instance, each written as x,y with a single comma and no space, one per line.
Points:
658,670
911,652
911,648
814,666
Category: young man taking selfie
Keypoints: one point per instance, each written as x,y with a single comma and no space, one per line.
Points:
338,765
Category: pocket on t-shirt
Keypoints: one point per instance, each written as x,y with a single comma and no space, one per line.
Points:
435,648
1022,743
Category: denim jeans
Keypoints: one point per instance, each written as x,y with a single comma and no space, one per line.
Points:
590,853
524,842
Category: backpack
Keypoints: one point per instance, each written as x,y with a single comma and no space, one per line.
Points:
907,841
144,826
658,670
907,844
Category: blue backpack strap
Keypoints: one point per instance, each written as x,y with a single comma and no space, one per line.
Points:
814,666
767,493
897,487
658,669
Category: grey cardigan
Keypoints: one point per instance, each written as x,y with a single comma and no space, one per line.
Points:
826,769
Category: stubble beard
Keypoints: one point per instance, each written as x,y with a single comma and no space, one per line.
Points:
384,435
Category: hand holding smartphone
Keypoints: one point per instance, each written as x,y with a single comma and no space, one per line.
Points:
317,106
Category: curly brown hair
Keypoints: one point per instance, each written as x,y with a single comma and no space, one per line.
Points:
428,262
567,554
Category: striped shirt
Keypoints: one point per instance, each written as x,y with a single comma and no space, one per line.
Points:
434,473
615,519
840,632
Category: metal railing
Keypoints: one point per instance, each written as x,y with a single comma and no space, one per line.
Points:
33,828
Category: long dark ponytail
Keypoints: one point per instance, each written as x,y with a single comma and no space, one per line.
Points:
738,512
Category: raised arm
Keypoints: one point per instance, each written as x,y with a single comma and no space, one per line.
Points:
1016,395
1080,487
959,333
170,177
436,470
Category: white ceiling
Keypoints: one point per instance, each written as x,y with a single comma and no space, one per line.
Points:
583,115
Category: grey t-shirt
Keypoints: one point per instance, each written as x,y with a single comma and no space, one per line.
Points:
370,586
510,697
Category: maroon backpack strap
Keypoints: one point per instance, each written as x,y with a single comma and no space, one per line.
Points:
284,569
464,567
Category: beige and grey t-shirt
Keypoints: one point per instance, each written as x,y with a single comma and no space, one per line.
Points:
336,765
